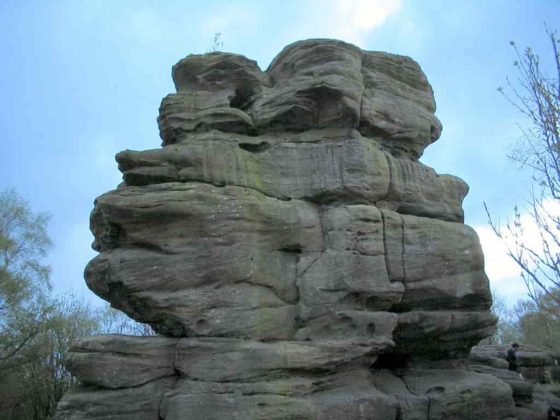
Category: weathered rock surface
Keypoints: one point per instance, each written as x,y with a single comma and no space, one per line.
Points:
136,403
296,258
322,166
535,389
310,85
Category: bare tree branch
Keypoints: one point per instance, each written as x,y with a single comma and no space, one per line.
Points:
536,95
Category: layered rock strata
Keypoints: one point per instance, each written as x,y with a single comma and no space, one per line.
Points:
535,387
296,258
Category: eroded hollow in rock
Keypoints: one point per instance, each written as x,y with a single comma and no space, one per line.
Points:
254,148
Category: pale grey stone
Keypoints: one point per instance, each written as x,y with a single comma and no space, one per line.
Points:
311,84
324,166
315,84
442,334
299,258
412,406
347,325
398,103
440,263
222,359
460,394
184,113
91,403
332,281
343,166
216,72
117,361
195,214
341,396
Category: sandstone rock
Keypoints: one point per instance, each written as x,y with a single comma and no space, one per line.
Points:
348,325
184,294
183,114
441,334
446,394
216,217
315,84
418,190
460,394
342,396
441,263
116,361
136,403
346,167
545,400
297,259
324,166
535,397
493,356
325,285
537,364
412,406
428,273
398,103
522,389
224,360
217,72
310,84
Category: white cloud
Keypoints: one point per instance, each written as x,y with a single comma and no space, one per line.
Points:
352,20
499,266
364,15
503,272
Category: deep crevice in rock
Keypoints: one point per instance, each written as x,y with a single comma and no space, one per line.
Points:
391,361
243,98
254,147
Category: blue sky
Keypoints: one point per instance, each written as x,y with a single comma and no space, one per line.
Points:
82,80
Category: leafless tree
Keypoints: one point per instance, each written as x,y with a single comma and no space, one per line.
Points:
536,94
113,321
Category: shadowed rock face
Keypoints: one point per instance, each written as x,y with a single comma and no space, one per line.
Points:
293,254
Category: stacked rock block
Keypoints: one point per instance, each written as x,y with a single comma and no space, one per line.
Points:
295,257
536,387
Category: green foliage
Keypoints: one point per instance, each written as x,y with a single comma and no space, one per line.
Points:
540,321
528,322
24,279
42,377
508,330
37,328
113,321
23,244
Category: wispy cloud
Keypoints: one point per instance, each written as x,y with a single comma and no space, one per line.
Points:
499,266
352,20
503,272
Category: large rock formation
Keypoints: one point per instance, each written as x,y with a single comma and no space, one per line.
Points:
296,258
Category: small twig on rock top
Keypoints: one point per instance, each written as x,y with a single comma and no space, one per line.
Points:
217,43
